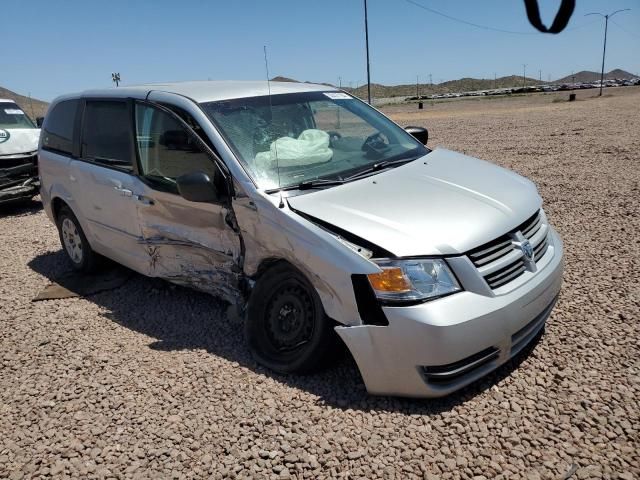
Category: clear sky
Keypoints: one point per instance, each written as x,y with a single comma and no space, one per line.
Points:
51,47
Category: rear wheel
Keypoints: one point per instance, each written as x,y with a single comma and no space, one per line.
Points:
287,329
74,242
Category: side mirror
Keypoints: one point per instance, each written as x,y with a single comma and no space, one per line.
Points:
419,133
197,187
39,121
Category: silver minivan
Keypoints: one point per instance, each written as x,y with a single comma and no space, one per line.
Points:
313,213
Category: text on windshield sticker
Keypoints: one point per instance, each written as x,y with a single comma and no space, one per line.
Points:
337,96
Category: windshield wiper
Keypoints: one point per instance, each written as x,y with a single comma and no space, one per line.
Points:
380,166
308,184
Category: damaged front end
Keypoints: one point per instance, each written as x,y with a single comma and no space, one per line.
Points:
18,178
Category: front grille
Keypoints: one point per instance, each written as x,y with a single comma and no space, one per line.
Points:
453,371
16,162
500,262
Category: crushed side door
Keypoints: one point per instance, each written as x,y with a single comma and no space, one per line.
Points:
189,243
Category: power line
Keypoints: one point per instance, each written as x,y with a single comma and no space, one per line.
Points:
485,27
604,47
459,20
624,29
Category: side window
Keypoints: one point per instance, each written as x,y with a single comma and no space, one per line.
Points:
58,127
106,134
167,150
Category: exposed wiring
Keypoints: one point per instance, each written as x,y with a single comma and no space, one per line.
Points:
623,29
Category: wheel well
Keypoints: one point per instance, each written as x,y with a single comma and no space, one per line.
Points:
269,263
56,205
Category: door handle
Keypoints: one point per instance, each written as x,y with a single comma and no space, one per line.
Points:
145,200
125,192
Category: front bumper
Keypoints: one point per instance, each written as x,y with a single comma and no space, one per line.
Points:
438,347
18,178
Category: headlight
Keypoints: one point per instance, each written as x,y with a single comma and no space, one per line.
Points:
406,280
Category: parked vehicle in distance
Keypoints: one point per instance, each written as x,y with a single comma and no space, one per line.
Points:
315,212
18,159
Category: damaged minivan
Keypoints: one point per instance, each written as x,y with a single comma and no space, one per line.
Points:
314,214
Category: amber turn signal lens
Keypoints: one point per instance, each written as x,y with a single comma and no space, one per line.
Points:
389,280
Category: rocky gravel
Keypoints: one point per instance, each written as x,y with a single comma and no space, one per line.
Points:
154,381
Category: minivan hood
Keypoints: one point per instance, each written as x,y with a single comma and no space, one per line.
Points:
18,140
441,204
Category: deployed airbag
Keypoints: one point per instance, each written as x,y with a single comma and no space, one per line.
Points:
312,146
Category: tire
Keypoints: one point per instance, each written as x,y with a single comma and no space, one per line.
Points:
286,328
74,242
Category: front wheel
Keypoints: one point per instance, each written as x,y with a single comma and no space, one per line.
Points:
287,329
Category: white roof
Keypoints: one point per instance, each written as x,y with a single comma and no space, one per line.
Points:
7,100
208,91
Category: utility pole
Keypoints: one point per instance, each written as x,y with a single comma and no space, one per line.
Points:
340,82
417,88
366,36
115,78
540,74
604,48
430,80
524,75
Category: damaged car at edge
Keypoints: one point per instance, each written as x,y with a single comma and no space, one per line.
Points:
18,159
314,214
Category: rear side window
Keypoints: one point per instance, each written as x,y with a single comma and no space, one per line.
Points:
107,135
58,127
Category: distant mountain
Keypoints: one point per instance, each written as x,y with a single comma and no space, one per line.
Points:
451,86
34,108
408,90
464,84
283,79
589,77
37,108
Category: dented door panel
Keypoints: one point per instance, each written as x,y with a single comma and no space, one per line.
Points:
191,244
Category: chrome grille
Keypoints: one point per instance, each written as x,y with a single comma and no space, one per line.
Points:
500,262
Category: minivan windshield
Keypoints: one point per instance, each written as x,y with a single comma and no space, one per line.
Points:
12,116
310,137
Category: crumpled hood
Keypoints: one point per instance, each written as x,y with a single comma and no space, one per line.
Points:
20,140
444,203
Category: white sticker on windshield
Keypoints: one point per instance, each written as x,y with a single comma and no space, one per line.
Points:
337,96
13,111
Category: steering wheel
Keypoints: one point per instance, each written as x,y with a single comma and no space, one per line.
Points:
375,145
333,137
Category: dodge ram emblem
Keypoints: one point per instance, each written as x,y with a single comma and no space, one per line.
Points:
527,250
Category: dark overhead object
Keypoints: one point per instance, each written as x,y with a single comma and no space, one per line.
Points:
562,17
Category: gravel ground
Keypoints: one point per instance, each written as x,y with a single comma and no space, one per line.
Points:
152,380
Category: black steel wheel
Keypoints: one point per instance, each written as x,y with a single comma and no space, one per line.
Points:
287,329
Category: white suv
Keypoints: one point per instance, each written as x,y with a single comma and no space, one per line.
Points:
18,146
